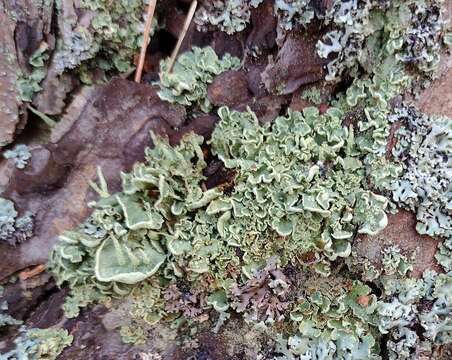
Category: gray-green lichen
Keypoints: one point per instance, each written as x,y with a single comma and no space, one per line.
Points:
444,254
28,83
424,148
187,83
332,322
14,229
20,155
229,16
413,29
293,12
98,36
39,344
269,244
109,41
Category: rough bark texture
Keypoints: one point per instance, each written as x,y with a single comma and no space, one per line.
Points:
9,105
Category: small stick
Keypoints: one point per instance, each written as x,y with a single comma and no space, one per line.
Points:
147,29
188,19
26,274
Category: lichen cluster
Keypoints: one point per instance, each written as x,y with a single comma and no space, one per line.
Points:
229,16
272,242
13,228
355,30
411,30
96,38
39,344
112,38
20,155
424,147
186,83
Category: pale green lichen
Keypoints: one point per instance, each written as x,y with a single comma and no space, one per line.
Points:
39,344
108,42
333,321
229,16
404,305
394,262
20,155
444,254
28,83
270,242
312,95
187,83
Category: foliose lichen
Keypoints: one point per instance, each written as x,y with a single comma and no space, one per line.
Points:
187,83
28,83
269,242
293,12
424,147
108,42
229,16
14,229
39,344
413,30
20,154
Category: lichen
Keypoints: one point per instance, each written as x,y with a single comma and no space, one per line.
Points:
109,41
269,243
39,344
264,296
187,83
444,254
333,322
20,155
293,12
312,95
229,16
14,229
28,82
412,31
424,148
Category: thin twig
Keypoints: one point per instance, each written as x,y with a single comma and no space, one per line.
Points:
147,29
26,274
187,22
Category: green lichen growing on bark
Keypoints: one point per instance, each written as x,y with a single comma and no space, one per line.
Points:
332,322
20,155
294,12
110,39
39,344
269,242
229,16
299,187
366,30
28,83
14,228
187,83
424,148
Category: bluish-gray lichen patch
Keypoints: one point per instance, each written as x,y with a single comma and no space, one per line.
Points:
20,155
13,228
